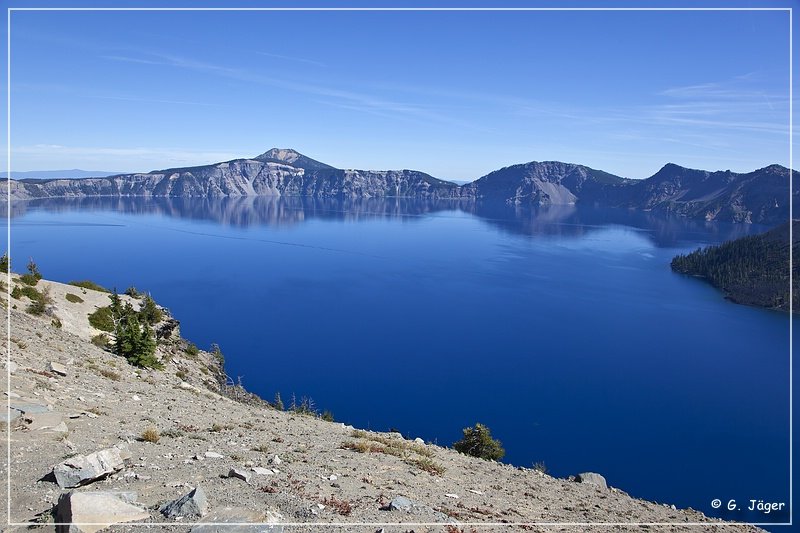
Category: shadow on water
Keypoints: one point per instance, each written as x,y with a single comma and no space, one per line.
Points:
568,221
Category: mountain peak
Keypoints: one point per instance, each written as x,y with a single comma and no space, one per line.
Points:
289,156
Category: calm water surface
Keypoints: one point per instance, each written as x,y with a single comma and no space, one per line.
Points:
563,330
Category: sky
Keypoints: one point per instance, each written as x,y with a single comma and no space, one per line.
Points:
455,94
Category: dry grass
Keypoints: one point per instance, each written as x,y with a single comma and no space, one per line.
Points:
412,453
150,435
343,507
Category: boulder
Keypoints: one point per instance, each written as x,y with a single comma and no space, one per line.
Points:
213,455
400,503
191,505
260,471
592,479
87,512
83,469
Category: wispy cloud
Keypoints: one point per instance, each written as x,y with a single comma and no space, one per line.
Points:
292,58
340,98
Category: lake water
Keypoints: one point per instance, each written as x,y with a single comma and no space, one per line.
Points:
563,330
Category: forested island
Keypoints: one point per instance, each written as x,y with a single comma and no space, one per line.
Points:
752,270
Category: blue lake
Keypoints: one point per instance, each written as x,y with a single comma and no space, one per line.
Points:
563,330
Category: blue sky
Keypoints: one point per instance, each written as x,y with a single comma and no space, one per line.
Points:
454,94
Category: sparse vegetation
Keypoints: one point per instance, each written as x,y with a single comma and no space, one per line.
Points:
478,442
101,341
5,263
181,374
191,350
150,435
33,276
150,312
110,374
132,292
56,323
102,319
327,416
426,464
38,305
262,448
539,466
411,453
73,298
87,284
343,507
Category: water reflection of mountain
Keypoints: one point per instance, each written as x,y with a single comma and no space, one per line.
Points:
557,221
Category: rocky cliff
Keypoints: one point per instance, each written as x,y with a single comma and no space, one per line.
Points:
761,196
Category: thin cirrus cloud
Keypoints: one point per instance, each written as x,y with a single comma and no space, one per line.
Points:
346,99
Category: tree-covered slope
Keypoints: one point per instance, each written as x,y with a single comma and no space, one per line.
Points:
753,270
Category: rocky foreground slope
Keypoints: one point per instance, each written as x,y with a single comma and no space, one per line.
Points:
93,439
761,196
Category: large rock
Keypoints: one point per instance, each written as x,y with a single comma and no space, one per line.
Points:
83,469
591,478
87,512
400,503
191,505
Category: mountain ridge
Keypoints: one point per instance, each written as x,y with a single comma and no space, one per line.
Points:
759,196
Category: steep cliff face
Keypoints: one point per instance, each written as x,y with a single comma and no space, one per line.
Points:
274,173
761,196
545,183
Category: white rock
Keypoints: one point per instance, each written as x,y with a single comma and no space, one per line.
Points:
419,441
275,460
58,368
135,398
213,455
450,495
259,471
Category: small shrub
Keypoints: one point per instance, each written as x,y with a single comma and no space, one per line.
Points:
101,341
173,433
150,435
87,284
110,374
56,323
539,466
29,279
181,374
263,448
343,507
38,305
4,263
16,292
327,416
102,319
27,291
191,350
132,292
478,442
427,464
73,298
